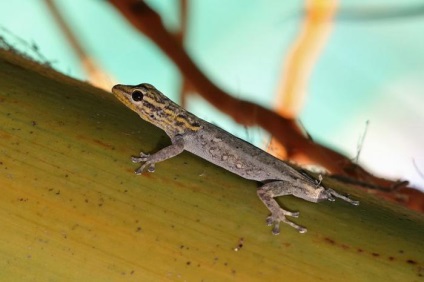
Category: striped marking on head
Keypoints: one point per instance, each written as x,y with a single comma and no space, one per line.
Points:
156,108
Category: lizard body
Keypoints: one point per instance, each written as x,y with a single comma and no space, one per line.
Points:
190,133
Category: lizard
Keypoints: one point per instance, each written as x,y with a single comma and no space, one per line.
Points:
208,141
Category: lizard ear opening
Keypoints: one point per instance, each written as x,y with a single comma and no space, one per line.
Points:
137,96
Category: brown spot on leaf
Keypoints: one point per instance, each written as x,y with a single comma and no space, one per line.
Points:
345,247
331,241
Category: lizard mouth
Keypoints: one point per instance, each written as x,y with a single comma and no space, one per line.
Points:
120,90
122,93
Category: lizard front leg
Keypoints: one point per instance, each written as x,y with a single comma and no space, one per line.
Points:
267,193
176,148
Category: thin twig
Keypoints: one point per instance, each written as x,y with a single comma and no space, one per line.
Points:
420,173
361,141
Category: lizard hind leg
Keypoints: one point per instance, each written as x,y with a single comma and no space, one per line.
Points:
267,193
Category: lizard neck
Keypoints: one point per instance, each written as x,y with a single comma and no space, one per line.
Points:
169,117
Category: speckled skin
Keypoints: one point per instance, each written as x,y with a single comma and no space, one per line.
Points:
236,155
190,133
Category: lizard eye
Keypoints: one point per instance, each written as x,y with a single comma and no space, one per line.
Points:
137,96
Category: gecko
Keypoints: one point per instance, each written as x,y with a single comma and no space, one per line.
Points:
208,141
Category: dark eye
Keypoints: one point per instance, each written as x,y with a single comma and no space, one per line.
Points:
137,96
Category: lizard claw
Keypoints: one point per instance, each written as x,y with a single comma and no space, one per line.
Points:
280,216
139,170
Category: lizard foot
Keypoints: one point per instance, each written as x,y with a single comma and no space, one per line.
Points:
330,194
143,158
280,216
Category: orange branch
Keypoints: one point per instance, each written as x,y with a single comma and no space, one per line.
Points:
94,73
141,16
302,57
285,130
300,61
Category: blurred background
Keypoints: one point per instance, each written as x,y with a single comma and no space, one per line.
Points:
354,80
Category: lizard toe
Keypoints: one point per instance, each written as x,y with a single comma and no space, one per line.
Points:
151,168
280,216
142,158
140,170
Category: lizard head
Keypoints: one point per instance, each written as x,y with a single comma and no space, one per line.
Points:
144,99
151,105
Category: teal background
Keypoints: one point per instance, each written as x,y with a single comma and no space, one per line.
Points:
370,69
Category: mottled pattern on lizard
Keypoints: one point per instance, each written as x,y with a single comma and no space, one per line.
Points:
190,133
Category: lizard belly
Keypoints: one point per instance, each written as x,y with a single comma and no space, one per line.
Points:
236,155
